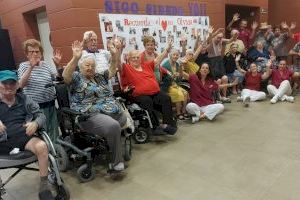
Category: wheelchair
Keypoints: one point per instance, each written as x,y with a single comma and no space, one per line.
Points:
77,145
24,158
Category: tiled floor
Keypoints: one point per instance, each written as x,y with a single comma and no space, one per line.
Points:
245,154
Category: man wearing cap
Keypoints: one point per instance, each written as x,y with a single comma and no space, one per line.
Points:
20,118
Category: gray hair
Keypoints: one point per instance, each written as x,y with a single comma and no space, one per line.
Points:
88,34
85,58
189,51
172,51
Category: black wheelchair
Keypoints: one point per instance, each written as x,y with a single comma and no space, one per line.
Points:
77,145
21,160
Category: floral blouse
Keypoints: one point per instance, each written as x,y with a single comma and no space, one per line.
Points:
89,96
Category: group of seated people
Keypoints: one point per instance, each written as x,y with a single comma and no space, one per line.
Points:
155,80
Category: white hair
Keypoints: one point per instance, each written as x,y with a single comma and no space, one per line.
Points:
88,34
189,51
84,58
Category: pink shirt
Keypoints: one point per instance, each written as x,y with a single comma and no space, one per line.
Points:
202,94
278,77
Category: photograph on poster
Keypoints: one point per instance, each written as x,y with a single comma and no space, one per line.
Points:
162,28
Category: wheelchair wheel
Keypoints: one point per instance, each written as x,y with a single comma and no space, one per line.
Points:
62,193
128,147
84,174
62,158
141,135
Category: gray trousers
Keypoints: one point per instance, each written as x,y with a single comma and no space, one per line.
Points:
109,128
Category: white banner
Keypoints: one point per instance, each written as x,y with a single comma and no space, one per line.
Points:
131,29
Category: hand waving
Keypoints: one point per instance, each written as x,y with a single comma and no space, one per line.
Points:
236,17
77,49
57,56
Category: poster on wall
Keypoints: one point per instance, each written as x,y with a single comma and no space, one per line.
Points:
131,29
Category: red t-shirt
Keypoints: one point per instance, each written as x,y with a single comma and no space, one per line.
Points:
253,82
277,78
245,37
202,94
144,81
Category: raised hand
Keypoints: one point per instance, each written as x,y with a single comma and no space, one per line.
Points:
57,56
269,63
284,25
238,58
34,61
170,44
254,25
77,49
293,25
236,17
210,29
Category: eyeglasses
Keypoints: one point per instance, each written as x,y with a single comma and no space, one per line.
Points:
37,52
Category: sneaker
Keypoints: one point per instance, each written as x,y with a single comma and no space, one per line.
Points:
239,99
290,99
225,100
195,119
273,100
246,101
119,167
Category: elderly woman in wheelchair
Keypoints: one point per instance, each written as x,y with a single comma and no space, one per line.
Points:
20,119
90,94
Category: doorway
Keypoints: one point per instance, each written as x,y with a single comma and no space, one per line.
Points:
44,33
246,12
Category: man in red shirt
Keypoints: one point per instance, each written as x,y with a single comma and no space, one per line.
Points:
146,93
245,35
280,88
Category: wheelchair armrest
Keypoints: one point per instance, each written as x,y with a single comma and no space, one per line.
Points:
73,113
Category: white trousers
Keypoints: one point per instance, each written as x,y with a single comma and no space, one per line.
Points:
253,94
284,89
210,111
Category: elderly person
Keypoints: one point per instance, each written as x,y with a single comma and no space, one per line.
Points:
34,75
260,56
279,40
215,46
234,40
178,94
20,118
244,33
149,55
230,67
146,93
90,93
280,87
253,80
202,87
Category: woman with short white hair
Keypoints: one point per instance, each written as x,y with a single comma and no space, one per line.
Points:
90,93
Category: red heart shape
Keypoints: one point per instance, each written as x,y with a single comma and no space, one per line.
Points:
164,24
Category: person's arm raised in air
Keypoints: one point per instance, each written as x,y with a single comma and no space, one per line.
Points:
237,60
161,56
235,18
268,71
71,66
115,51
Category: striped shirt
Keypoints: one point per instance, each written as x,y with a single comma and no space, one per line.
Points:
39,78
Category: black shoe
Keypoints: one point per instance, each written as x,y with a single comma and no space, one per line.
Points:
170,130
46,195
158,131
